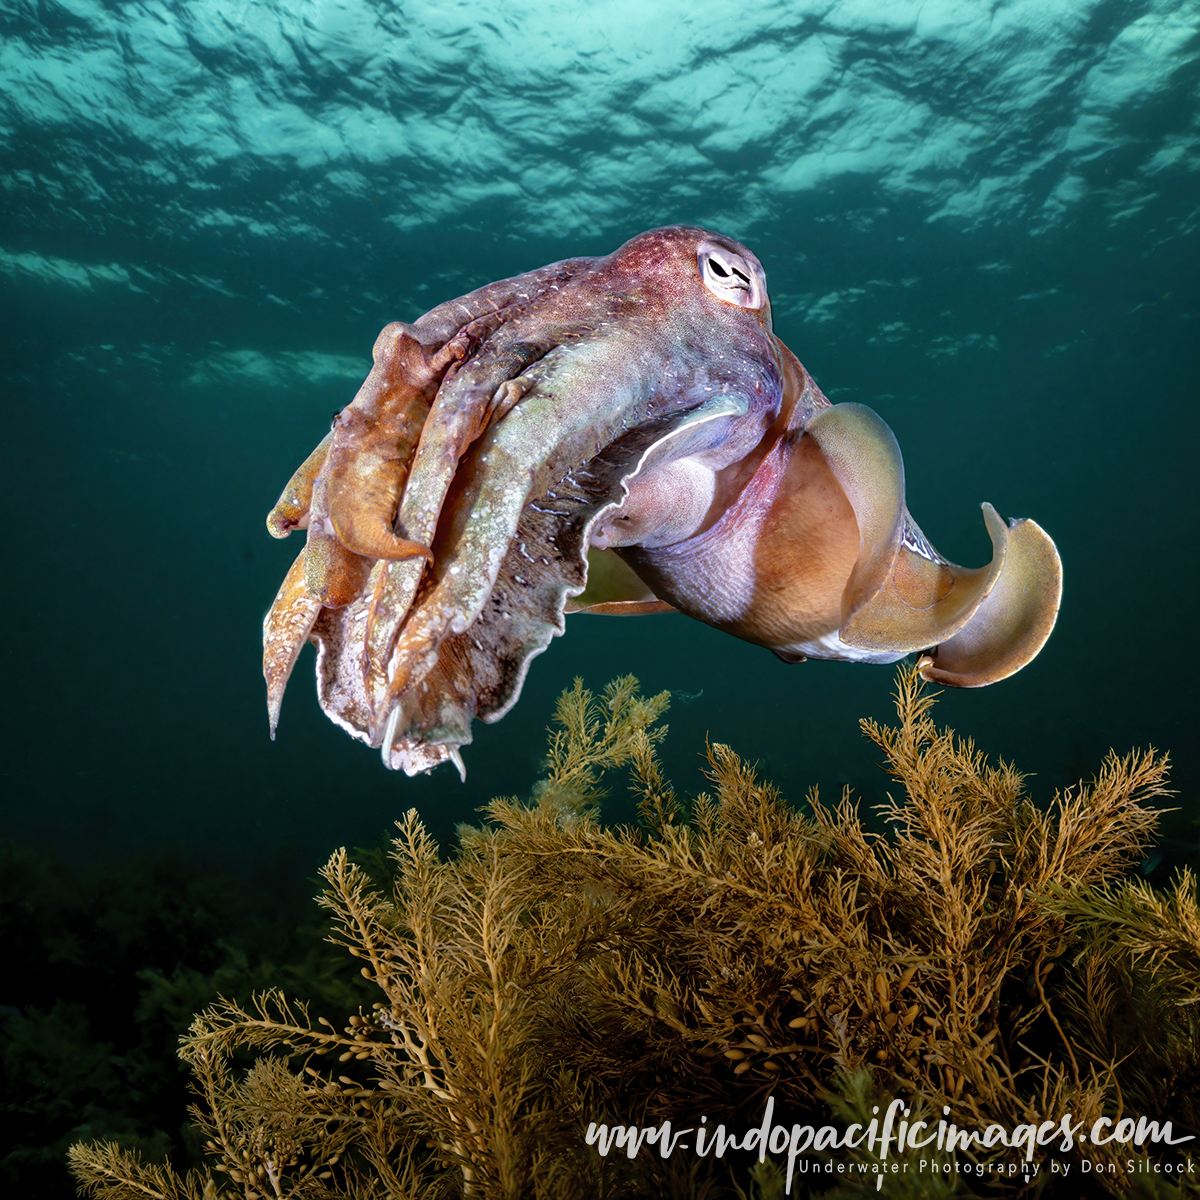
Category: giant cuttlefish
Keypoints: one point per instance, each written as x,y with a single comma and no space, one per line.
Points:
622,434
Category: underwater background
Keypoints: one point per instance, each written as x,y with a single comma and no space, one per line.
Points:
979,219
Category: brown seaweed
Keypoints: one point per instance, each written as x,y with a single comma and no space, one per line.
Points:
982,951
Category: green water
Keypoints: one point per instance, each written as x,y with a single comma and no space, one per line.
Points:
982,223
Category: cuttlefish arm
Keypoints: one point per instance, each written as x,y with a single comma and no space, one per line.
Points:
375,437
485,389
291,510
364,459
345,495
286,628
818,557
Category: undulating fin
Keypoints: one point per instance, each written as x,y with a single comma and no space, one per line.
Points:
862,452
291,509
1012,621
613,589
925,599
285,629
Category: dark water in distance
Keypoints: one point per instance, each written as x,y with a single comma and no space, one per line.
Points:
979,220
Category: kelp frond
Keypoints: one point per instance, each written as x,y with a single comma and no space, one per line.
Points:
983,953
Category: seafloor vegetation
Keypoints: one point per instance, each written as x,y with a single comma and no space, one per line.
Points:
105,965
978,952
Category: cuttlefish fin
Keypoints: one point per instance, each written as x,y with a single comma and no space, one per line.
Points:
976,625
864,457
285,630
925,600
1012,622
292,507
614,589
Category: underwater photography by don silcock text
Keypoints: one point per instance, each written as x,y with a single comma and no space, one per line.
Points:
669,817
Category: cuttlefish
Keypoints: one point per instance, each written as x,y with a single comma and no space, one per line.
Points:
614,435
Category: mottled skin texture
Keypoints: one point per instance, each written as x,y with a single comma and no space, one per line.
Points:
635,405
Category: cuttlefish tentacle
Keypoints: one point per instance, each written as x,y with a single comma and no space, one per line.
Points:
292,508
333,574
325,575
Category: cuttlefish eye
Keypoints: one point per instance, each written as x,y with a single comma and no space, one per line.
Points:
731,277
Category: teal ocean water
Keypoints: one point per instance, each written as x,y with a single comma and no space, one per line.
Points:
981,220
